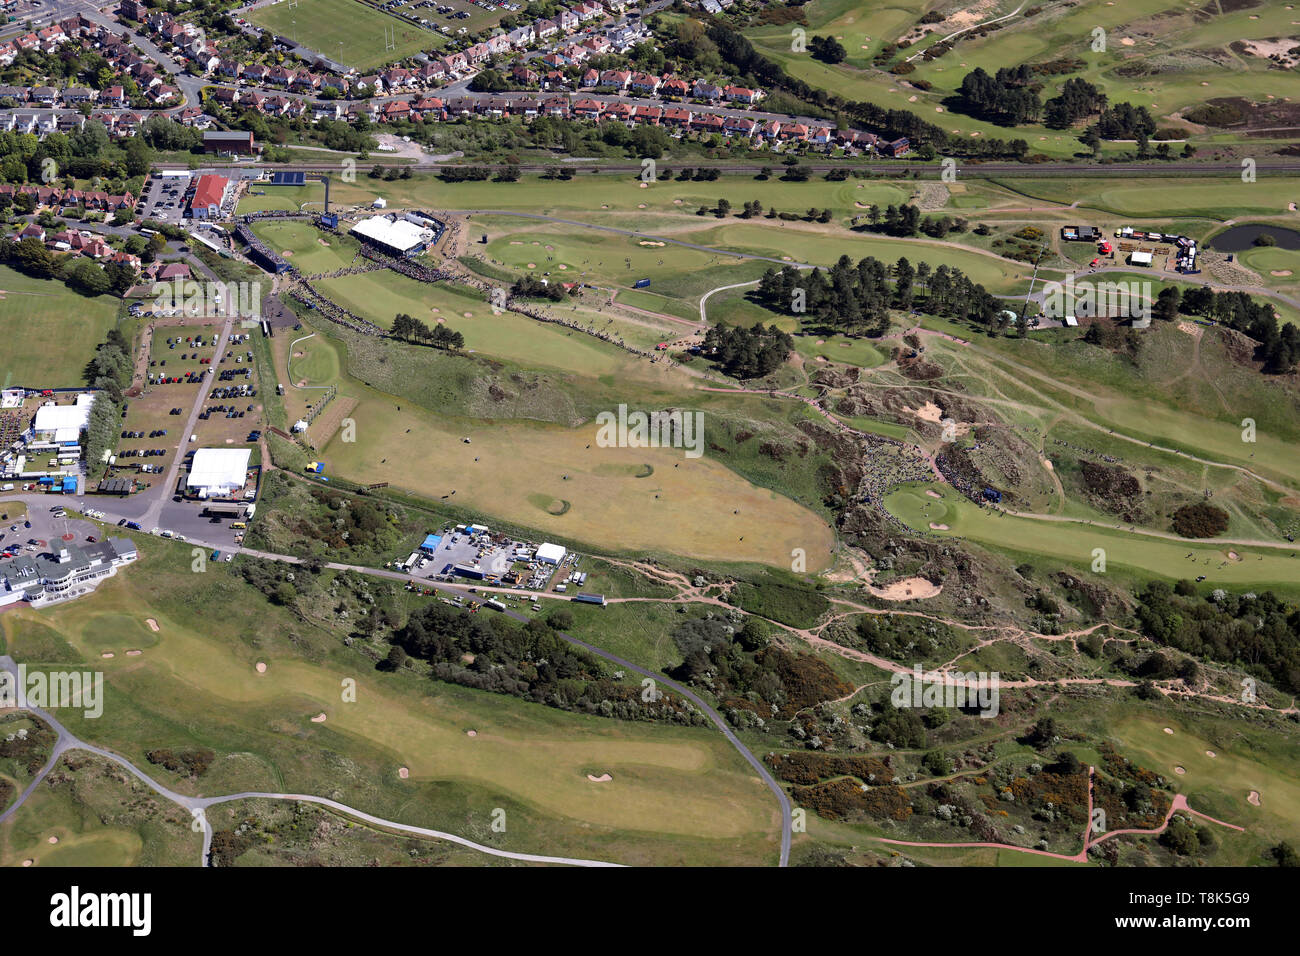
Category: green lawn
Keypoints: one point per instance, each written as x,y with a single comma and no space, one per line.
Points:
345,30
48,332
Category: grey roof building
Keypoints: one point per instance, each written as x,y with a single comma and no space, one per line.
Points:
74,569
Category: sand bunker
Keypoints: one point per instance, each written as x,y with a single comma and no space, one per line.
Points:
532,265
640,205
471,733
1233,556
932,493
319,718
646,242
134,653
261,667
1180,771
678,202
1279,272
107,654
52,840
908,589
1127,41
1169,730
468,315
28,862
153,625
287,253
938,527
603,778
1210,753
322,242
403,772
1253,798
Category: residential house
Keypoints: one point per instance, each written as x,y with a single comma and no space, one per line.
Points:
741,94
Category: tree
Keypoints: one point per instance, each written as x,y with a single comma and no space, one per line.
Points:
32,256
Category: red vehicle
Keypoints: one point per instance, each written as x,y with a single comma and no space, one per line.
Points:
47,393
1094,262
91,538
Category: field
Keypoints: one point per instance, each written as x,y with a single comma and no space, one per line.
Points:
306,247
1074,543
1158,53
36,312
345,30
677,794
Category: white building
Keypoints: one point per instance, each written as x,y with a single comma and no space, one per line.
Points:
63,423
551,553
399,237
218,471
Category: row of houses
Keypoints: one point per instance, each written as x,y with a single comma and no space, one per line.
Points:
673,117
79,242
60,200
669,86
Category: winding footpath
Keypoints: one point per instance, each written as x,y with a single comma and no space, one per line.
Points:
197,806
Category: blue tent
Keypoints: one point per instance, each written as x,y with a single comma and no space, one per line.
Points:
69,486
431,543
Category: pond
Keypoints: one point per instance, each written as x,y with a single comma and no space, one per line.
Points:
1241,238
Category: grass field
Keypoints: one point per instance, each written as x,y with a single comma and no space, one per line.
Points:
35,314
307,247
1073,544
678,794
1161,54
345,30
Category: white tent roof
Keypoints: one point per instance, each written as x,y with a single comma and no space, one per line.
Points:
553,553
219,470
1142,257
400,235
54,418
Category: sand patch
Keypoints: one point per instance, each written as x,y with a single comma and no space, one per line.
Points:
640,205
153,625
471,733
28,862
403,772
563,267
932,493
319,718
260,667
1191,329
929,412
1127,41
821,358
677,202
134,653
1233,556
108,655
1169,731
908,589
52,840
603,778
1279,272
468,315
1210,753
647,242
912,98
287,253
323,242
1253,798
532,265
938,527
1180,770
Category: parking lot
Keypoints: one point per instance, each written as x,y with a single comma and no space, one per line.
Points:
163,198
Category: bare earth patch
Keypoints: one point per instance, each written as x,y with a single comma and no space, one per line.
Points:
908,589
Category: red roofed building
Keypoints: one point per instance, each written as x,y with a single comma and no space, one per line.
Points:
206,201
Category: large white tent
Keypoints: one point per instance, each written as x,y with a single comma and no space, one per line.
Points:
218,471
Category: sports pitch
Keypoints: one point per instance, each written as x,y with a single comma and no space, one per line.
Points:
345,30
